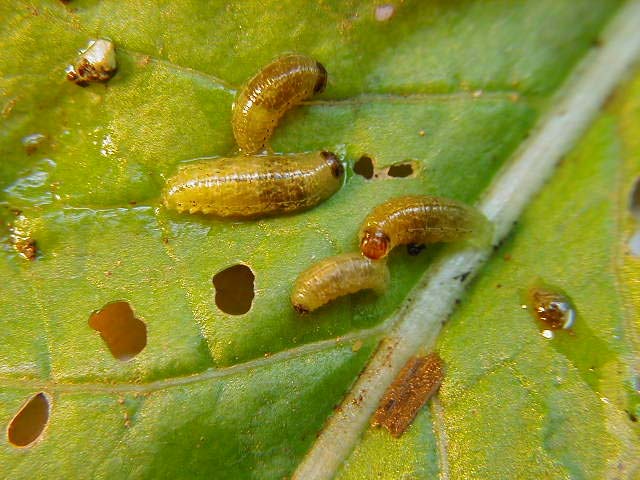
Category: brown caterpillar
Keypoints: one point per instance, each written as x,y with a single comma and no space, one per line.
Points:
336,276
419,219
254,186
279,86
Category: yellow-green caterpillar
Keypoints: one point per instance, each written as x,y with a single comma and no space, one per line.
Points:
336,276
254,186
279,86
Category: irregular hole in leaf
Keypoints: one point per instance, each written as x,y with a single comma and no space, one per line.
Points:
124,334
30,421
234,288
364,167
401,170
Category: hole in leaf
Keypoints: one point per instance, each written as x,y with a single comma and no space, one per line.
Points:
364,167
234,289
401,170
124,334
634,204
30,421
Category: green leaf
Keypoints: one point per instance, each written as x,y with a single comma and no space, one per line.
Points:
245,396
515,404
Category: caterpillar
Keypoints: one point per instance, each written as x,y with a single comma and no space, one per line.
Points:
416,220
336,276
254,186
279,86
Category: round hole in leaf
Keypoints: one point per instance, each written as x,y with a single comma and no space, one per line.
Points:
124,334
30,421
364,167
401,170
234,289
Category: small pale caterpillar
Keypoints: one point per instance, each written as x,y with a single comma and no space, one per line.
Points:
282,84
254,186
336,276
419,219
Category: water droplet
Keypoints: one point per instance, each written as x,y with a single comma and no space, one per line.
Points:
552,308
547,334
384,13
32,142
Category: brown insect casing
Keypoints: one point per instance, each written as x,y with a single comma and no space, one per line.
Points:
278,87
418,380
336,276
419,219
97,63
254,186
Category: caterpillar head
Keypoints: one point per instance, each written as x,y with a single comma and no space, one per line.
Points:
374,244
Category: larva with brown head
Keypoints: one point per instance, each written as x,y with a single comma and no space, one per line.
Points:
336,276
254,186
278,87
419,219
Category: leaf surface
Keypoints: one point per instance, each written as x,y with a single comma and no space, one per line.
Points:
244,396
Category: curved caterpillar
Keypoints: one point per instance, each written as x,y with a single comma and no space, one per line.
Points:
254,186
336,276
419,219
279,86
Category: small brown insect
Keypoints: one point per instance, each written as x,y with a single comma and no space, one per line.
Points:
254,186
419,219
336,276
97,63
418,380
269,94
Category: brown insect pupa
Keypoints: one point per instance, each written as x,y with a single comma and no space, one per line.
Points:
254,186
279,86
419,219
336,276
418,380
